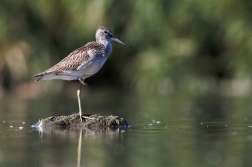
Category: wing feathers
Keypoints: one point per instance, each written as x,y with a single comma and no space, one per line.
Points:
72,62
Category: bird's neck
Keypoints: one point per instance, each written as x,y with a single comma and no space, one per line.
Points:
107,45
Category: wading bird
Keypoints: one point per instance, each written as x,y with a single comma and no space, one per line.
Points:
83,62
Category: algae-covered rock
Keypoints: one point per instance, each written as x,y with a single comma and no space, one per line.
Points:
88,120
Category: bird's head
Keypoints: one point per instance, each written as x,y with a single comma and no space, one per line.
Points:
104,33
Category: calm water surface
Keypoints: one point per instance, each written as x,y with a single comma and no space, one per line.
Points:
175,130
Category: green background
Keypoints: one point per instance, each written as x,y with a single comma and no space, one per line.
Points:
189,45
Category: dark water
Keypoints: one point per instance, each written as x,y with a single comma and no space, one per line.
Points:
175,130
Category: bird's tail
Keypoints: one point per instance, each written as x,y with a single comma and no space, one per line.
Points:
43,76
50,76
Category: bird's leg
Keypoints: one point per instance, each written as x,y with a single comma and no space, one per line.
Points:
78,96
79,102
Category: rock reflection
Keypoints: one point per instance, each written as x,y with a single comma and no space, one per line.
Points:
82,133
86,132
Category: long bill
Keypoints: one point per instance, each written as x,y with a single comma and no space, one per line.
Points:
120,42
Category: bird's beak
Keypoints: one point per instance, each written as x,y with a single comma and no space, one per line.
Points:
120,42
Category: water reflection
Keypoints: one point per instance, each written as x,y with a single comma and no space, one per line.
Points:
79,150
81,134
212,107
74,132
178,130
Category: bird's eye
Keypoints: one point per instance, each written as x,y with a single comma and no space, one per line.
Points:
105,32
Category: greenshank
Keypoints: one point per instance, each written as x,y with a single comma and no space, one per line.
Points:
83,62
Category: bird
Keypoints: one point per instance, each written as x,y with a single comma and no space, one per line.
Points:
83,62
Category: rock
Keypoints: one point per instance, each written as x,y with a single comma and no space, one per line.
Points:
92,121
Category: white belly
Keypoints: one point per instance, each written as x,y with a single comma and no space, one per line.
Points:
91,67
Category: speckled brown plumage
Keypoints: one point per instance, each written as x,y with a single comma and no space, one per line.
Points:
74,59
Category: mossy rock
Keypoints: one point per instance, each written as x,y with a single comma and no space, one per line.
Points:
88,120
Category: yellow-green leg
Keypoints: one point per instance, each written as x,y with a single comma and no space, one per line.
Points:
79,102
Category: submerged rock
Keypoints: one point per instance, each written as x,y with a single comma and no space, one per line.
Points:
88,120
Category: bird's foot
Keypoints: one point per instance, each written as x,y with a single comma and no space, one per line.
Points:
87,117
81,118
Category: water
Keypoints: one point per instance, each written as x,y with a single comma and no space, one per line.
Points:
175,130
